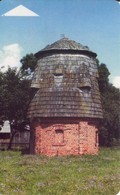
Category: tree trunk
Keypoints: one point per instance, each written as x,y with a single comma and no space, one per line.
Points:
13,132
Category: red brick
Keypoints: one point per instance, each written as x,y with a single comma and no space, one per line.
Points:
65,136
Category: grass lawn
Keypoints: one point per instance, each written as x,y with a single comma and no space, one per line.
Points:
70,175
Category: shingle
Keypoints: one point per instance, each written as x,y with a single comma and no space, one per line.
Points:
65,44
66,83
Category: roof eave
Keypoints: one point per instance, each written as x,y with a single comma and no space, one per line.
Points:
41,53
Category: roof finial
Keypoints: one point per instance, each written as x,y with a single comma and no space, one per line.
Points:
62,35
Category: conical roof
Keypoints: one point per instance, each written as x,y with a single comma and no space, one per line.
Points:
66,45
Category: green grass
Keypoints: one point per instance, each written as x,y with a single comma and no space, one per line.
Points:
70,175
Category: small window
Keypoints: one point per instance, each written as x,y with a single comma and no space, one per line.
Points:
58,74
58,78
85,89
59,131
59,136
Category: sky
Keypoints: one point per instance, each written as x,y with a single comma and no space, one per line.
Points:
93,23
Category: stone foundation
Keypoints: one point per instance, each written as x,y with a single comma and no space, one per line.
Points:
64,136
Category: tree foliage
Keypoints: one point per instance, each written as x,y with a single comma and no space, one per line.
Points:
110,97
15,95
28,64
14,99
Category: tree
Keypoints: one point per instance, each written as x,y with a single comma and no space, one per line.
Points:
14,99
1,101
28,64
15,95
103,77
110,97
1,89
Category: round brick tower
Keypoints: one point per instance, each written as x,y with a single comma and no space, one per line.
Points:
65,109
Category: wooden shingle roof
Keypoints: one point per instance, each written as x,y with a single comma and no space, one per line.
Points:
66,45
65,83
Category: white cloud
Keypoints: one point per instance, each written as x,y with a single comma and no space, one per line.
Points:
20,11
116,81
10,56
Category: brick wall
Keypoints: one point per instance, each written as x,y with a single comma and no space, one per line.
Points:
65,136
